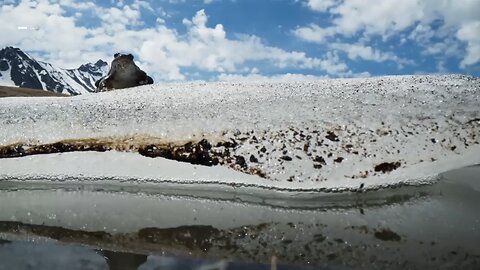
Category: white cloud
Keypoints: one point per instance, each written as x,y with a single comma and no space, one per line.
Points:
382,17
470,33
359,51
119,19
160,50
321,5
448,47
387,18
55,32
81,6
314,33
207,48
422,33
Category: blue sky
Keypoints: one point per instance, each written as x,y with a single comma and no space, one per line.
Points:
176,40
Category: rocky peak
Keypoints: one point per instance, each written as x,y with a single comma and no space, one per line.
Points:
21,69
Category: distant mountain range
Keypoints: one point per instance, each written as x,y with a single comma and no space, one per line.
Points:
18,68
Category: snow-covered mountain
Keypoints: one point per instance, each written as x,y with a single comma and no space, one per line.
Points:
18,68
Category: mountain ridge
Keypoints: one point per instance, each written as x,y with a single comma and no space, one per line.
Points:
18,68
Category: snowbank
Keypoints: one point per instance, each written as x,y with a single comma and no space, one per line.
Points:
319,135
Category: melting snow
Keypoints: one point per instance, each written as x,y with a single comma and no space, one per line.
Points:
317,135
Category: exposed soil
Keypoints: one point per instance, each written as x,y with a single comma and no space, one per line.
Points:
8,91
194,153
199,153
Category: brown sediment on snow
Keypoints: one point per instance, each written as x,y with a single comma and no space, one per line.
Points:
335,131
201,152
141,145
292,154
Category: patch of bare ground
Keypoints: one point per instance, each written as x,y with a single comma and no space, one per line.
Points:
9,91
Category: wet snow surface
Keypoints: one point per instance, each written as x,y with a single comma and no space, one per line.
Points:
321,135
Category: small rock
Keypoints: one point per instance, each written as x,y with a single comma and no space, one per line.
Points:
387,166
332,136
387,235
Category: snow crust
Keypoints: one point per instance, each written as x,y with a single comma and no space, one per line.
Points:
428,124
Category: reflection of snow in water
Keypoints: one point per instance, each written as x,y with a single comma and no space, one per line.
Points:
51,256
405,229
24,255
334,134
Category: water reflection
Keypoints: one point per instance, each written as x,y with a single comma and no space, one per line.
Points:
430,227
123,260
52,256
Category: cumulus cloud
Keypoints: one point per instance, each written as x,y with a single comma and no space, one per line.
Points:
314,33
159,49
208,49
388,18
321,5
383,17
469,33
54,32
358,51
